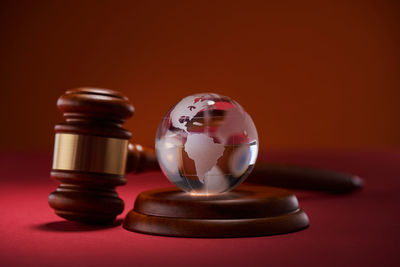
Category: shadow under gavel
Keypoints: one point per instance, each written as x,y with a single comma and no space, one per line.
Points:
92,154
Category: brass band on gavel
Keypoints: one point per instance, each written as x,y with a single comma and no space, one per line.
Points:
88,153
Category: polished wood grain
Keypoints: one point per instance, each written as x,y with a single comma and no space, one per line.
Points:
245,211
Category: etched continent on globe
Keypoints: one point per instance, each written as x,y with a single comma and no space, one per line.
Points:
207,144
205,153
187,109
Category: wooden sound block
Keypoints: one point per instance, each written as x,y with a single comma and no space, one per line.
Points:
245,211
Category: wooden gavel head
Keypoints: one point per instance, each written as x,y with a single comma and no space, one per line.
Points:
92,154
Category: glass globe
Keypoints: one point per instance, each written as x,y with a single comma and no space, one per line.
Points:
206,144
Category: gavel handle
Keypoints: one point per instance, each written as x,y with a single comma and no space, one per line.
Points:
294,177
142,159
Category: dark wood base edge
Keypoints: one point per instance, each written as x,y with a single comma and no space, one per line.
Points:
216,228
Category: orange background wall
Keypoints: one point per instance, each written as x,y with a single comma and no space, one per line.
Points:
312,74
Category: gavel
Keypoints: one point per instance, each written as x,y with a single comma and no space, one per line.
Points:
92,154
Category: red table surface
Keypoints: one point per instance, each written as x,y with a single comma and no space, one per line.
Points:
360,229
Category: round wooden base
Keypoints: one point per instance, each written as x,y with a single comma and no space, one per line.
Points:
245,211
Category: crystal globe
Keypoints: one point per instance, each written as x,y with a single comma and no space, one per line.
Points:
207,144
